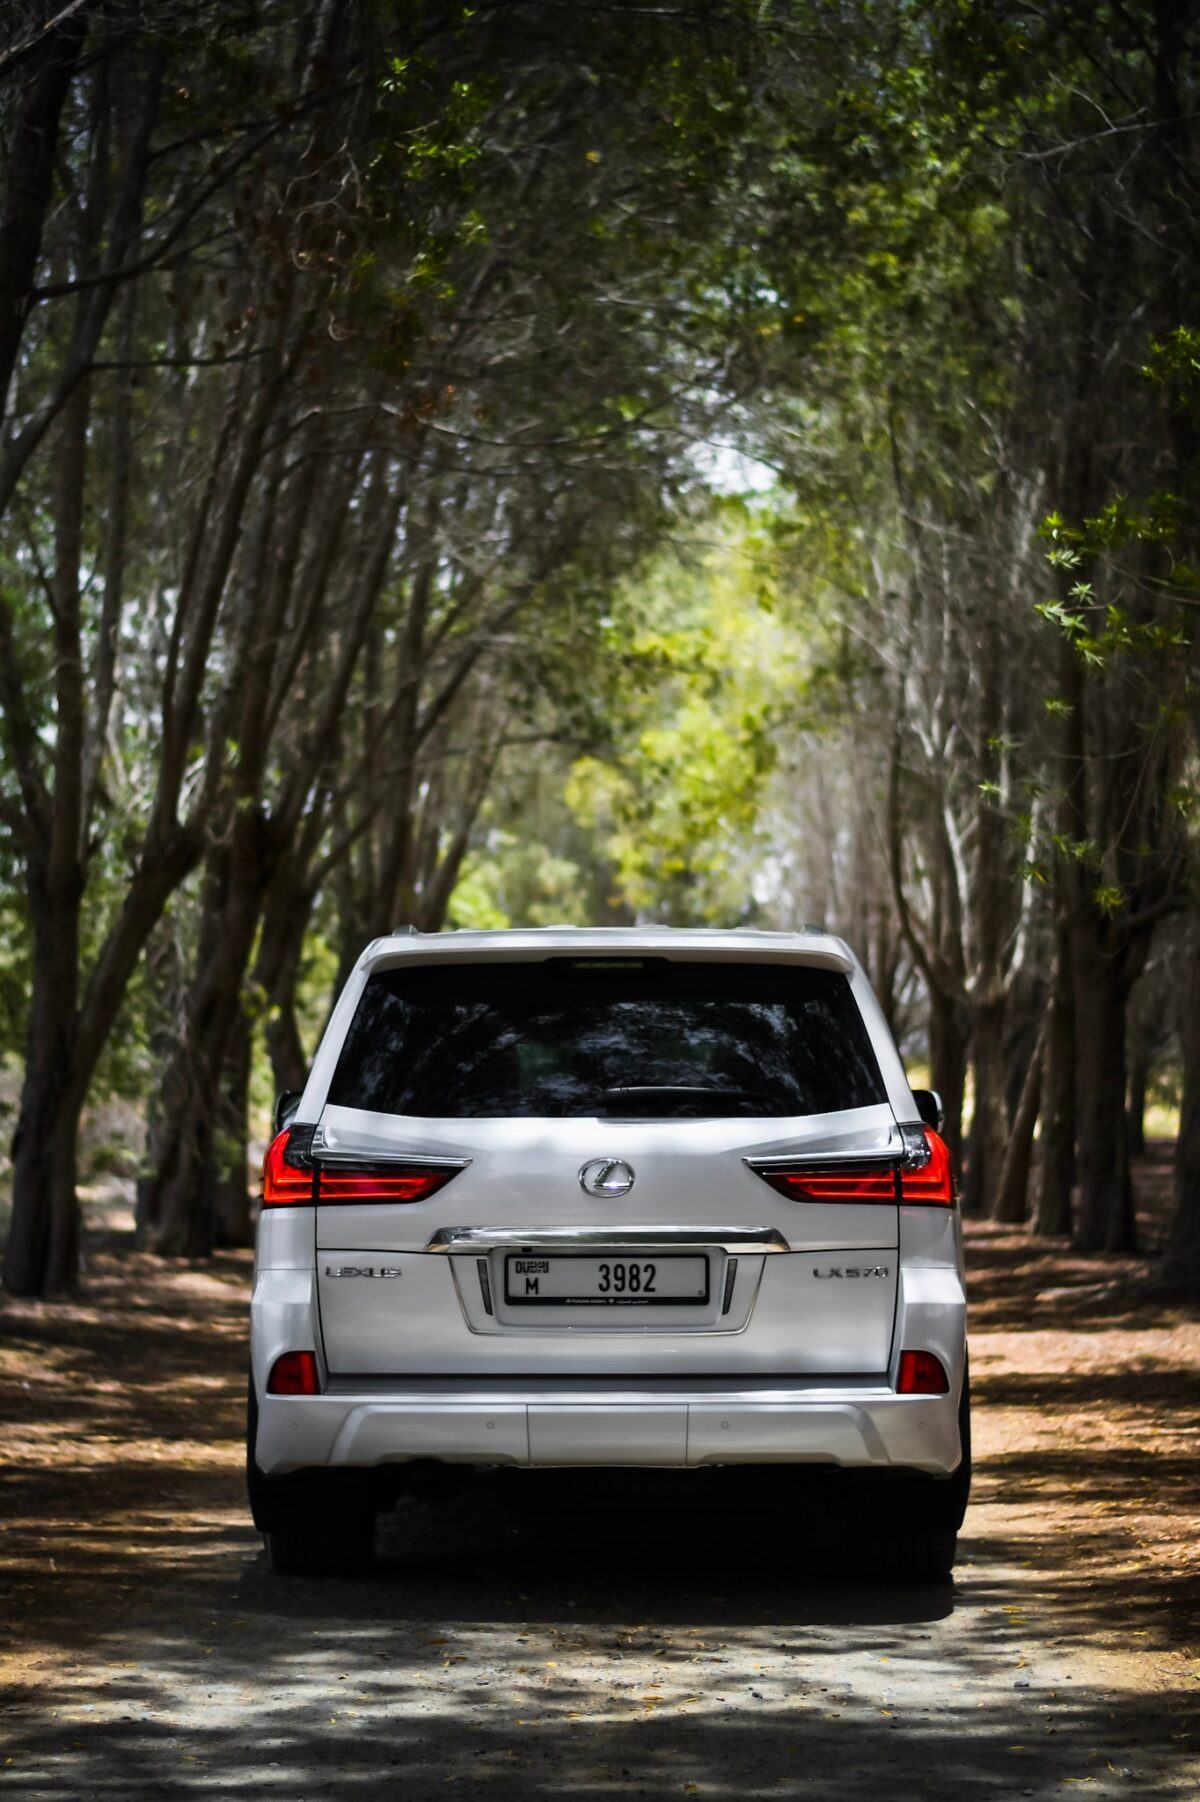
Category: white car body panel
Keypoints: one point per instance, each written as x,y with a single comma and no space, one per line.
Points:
794,1361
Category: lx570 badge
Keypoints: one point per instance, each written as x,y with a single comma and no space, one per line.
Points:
851,1270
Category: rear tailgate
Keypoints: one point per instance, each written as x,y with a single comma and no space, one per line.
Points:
512,1267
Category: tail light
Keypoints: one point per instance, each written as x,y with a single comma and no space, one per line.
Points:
292,1178
391,1182
843,1184
928,1181
295,1373
918,1176
288,1172
921,1374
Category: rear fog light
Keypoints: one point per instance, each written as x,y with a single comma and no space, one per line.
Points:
921,1374
295,1373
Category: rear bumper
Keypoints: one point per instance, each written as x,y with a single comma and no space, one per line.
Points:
364,1426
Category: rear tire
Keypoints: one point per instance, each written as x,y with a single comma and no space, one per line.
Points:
258,1488
912,1557
330,1545
312,1526
936,1505
909,1526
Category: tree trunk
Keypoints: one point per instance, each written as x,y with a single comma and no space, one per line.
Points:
42,1257
1181,1258
1052,1213
1012,1198
988,898
1025,1024
171,1145
285,1047
65,1043
276,973
175,1200
43,1251
948,1039
989,1126
1106,1216
42,1254
1135,1107
225,1190
32,146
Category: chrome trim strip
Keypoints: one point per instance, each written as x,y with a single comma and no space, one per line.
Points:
830,1160
371,1160
908,1151
731,1265
517,1238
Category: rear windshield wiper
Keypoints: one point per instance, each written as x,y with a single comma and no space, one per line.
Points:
676,1098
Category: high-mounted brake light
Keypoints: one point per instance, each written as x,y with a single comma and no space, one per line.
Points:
293,1179
294,1373
921,1374
918,1176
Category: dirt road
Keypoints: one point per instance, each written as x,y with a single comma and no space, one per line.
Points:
613,1644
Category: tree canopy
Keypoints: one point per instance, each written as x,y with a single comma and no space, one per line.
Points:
379,383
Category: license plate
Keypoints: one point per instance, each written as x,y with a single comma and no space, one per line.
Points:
573,1281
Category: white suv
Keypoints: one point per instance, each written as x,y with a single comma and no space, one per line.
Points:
615,1197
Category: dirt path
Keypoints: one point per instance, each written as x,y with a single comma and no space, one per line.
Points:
622,1651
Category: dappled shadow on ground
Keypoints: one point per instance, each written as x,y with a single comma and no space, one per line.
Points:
496,1553
497,1548
1150,1385
399,1741
507,1654
1011,1479
514,1641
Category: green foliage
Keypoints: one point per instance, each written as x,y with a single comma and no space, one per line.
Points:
1174,363
525,259
532,863
514,881
678,805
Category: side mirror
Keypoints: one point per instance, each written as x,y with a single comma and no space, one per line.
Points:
929,1106
286,1108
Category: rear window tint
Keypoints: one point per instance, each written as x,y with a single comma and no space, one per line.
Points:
606,1036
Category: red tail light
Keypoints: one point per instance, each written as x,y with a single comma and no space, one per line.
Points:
920,1176
931,1183
287,1170
398,1182
292,1179
295,1373
921,1374
843,1184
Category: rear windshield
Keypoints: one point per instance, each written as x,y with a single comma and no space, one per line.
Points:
615,1037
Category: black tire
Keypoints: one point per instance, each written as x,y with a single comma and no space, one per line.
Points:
959,1486
911,1557
258,1487
340,1544
909,1525
940,1503
316,1524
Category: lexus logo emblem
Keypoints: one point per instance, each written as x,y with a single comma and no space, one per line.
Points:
606,1176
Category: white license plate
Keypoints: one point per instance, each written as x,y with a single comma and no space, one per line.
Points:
607,1281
